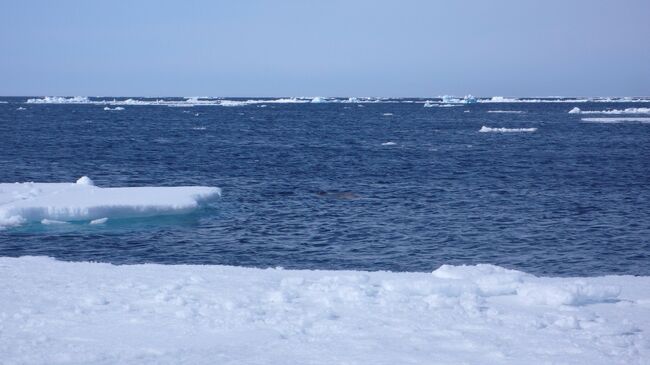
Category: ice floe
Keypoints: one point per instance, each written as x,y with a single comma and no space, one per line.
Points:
232,102
116,108
617,120
506,111
59,100
485,129
95,313
631,111
83,201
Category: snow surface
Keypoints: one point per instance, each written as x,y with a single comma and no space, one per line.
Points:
94,313
485,129
51,203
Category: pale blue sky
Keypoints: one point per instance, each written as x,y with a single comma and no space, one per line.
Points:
326,48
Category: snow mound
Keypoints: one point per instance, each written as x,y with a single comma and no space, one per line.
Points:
85,180
49,203
93,313
485,129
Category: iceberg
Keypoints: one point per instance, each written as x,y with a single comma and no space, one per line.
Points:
50,203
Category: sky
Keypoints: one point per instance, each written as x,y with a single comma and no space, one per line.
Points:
406,48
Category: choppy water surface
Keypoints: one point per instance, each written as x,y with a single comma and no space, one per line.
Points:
320,186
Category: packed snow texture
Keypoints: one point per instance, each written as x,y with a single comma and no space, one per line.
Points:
577,110
485,129
52,203
93,313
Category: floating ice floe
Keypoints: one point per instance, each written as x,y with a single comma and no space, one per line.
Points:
468,99
616,120
631,111
59,100
83,201
485,129
506,111
116,108
202,314
389,143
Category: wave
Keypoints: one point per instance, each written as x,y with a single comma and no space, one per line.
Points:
485,129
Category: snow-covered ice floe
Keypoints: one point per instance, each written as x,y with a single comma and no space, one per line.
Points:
94,313
52,203
616,120
485,129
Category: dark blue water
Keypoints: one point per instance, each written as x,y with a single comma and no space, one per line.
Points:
312,186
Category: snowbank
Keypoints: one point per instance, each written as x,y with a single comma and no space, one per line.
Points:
62,202
485,129
91,313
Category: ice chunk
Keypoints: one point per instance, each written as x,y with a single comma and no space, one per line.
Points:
485,129
612,111
52,221
99,221
616,120
35,202
506,111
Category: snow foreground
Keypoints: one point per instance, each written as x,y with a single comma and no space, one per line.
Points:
92,313
56,203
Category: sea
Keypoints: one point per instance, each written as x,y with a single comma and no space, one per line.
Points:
551,186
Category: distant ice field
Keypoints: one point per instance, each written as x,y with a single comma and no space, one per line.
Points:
342,183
